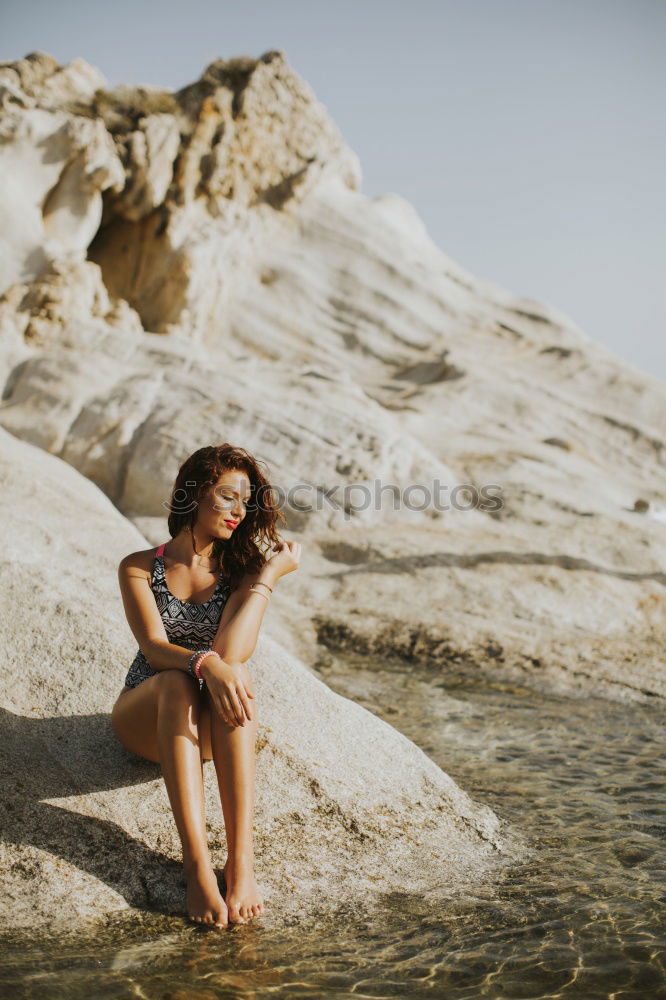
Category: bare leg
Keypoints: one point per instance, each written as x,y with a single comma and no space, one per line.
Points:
233,750
159,719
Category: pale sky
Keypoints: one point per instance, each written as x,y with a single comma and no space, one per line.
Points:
530,135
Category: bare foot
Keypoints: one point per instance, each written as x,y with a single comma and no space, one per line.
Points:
243,899
204,902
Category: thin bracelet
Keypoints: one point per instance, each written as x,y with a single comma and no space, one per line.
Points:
260,592
260,583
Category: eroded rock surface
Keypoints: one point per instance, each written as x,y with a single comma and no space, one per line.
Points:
346,807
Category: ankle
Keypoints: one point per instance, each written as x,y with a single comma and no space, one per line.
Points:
197,866
243,858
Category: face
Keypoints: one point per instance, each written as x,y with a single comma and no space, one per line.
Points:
226,504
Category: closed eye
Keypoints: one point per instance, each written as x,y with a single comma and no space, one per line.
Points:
248,505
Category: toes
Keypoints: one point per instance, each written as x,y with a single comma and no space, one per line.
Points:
241,913
216,920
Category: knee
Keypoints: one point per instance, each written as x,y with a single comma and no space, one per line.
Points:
248,681
175,686
244,673
238,664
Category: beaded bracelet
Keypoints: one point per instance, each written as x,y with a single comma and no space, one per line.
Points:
198,663
196,659
190,662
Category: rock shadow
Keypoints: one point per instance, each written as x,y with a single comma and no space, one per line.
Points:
52,758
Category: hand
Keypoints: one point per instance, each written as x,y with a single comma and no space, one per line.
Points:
285,558
230,692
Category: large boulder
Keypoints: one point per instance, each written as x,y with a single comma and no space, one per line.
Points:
347,808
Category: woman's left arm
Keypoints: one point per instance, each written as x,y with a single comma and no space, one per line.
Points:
242,615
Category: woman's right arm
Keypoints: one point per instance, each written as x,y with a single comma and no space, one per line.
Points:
143,617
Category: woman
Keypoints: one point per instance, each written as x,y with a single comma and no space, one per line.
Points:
195,605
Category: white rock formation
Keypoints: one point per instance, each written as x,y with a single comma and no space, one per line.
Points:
54,166
346,809
283,310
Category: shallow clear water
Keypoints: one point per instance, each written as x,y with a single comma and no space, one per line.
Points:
584,917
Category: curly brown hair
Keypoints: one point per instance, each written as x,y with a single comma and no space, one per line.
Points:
241,553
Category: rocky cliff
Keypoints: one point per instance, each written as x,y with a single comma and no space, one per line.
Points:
181,268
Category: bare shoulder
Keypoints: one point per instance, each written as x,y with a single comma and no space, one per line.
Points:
141,561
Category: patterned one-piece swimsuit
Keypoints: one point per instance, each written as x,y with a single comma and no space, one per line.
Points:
186,623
